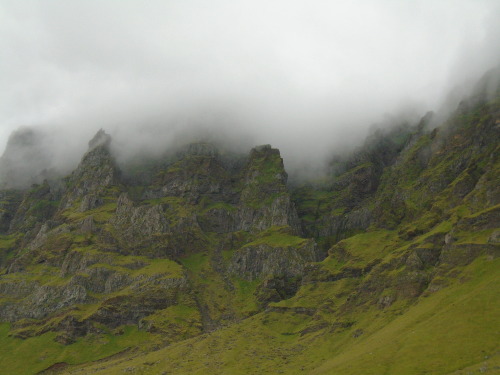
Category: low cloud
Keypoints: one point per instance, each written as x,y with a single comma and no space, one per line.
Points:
309,77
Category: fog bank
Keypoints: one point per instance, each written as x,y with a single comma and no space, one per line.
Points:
308,77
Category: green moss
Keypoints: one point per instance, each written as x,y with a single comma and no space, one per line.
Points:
175,208
42,208
101,214
338,211
268,166
264,183
174,201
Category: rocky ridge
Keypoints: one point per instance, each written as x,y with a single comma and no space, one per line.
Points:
207,252
89,243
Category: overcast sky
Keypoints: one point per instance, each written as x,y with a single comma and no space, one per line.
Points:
305,76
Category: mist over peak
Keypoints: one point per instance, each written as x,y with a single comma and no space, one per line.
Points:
308,77
25,160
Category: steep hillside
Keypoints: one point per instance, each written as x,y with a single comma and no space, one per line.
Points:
208,262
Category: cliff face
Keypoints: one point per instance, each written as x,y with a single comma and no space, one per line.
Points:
402,227
94,177
97,251
265,200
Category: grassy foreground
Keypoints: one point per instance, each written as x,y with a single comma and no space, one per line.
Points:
452,331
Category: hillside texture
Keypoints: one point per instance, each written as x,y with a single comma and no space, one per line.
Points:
204,262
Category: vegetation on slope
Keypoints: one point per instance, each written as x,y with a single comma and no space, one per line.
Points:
208,269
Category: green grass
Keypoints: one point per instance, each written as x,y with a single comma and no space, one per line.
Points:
177,322
237,301
40,273
195,262
7,246
174,201
362,249
100,214
29,356
452,329
160,266
150,266
356,169
244,299
277,237
474,237
323,294
485,211
7,241
219,206
447,331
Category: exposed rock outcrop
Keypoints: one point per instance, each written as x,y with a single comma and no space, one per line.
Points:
137,223
94,177
265,200
9,203
262,261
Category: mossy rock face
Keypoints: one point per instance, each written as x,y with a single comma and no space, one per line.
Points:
96,176
134,224
9,203
275,253
194,176
462,254
265,200
207,252
275,289
219,218
39,205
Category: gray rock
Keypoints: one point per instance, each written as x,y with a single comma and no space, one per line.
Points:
136,224
96,172
263,261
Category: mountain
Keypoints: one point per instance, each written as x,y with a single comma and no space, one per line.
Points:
25,160
205,261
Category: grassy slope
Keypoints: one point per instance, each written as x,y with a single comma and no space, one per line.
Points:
452,329
37,353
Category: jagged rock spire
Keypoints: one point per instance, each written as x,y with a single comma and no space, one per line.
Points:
265,200
101,138
96,172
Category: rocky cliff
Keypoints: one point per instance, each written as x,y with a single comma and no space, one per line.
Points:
90,255
206,261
